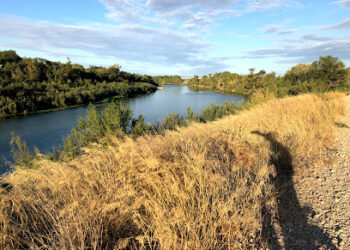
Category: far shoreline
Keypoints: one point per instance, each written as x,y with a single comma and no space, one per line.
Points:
208,89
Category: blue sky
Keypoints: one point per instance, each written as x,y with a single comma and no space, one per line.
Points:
184,37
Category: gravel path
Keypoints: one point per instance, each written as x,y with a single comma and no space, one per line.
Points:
314,204
324,197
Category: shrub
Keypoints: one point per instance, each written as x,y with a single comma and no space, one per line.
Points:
173,120
214,111
139,127
20,153
114,120
191,116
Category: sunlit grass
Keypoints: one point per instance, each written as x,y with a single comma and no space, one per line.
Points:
200,187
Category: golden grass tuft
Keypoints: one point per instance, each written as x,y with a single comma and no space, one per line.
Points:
201,187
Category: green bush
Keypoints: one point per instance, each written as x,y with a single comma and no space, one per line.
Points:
20,152
115,119
229,108
173,120
139,127
191,116
117,116
212,112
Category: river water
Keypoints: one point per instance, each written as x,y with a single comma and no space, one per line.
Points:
45,130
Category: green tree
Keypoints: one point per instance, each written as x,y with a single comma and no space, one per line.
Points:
9,56
33,84
117,116
331,70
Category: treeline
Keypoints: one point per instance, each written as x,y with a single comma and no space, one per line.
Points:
326,74
33,84
175,80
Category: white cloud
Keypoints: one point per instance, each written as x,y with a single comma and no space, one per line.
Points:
169,5
273,28
123,9
128,43
259,5
315,37
344,25
306,51
343,3
279,28
186,13
304,44
159,36
285,32
189,14
276,29
307,43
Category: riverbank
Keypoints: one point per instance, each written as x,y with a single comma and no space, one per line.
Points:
324,75
105,100
216,90
207,186
46,130
205,88
50,85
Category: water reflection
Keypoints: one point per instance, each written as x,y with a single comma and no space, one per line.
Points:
46,130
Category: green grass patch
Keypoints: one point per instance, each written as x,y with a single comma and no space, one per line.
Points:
341,125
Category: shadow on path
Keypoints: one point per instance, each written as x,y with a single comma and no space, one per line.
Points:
292,222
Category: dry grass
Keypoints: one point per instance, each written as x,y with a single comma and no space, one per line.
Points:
201,187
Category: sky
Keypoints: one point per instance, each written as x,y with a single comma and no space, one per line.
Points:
183,37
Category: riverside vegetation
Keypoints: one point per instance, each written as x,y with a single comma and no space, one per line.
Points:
186,183
29,85
206,186
175,80
116,119
326,74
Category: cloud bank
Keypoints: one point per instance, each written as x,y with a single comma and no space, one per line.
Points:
129,42
343,3
176,37
186,13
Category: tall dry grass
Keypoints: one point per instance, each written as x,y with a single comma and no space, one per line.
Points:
200,187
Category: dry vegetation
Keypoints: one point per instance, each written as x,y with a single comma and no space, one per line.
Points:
201,187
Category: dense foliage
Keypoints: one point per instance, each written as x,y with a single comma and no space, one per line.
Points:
34,84
326,74
175,80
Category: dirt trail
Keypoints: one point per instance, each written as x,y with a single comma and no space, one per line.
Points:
324,197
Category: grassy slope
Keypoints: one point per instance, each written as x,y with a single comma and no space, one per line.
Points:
204,186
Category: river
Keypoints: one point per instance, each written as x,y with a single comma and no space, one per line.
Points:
45,130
